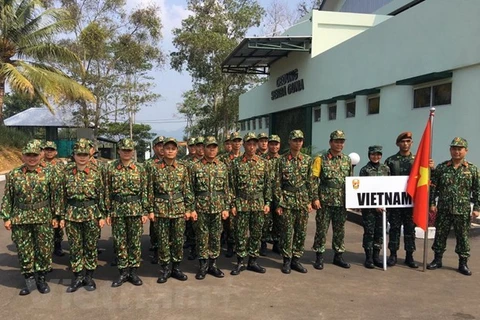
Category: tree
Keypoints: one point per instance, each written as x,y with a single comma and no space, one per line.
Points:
16,102
305,7
28,53
278,18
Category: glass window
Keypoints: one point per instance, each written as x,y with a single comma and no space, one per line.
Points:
260,123
435,95
350,109
254,124
422,97
332,112
267,122
442,94
317,114
248,125
374,105
242,125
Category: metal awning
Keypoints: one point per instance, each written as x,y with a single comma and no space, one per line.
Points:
256,55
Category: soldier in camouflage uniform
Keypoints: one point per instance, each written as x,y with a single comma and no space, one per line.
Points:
191,149
251,178
28,210
229,223
82,212
227,145
456,183
372,218
210,184
189,229
272,224
331,168
295,191
170,200
262,145
126,202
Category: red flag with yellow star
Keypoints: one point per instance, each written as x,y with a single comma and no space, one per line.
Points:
419,179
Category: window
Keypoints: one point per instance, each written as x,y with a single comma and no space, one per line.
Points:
332,112
317,114
260,123
254,124
433,95
374,105
267,122
248,125
350,107
242,125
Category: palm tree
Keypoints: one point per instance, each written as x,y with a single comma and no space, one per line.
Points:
29,57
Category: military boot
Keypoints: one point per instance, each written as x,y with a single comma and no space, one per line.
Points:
463,268
58,249
263,248
286,265
239,267
276,247
164,273
436,262
297,266
154,257
214,270
42,285
192,255
202,270
409,261
88,282
76,283
254,266
29,284
369,259
338,260
229,253
392,259
121,279
318,261
133,278
376,258
177,273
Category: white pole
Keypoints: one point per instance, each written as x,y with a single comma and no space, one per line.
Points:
384,218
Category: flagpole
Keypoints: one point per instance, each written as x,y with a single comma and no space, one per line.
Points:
425,234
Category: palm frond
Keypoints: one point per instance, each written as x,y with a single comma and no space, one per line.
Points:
16,80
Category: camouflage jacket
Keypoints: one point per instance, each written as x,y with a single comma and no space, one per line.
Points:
455,188
295,186
400,165
82,193
273,163
251,183
30,196
169,189
210,184
126,190
373,169
331,182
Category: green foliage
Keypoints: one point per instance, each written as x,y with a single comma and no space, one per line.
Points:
10,137
16,102
305,7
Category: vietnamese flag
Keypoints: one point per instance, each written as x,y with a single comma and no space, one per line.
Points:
418,181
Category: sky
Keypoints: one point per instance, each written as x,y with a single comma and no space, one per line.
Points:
170,84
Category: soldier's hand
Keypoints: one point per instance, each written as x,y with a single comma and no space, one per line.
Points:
379,210
109,221
224,215
193,215
8,225
279,211
101,223
266,209
433,209
476,213
151,217
144,219
431,164
62,224
187,216
309,207
234,211
55,223
316,204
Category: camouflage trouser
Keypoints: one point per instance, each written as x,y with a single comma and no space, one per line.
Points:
170,236
229,230
271,226
461,226
209,230
58,235
248,232
294,232
397,217
190,232
127,232
82,238
153,232
338,216
34,246
372,229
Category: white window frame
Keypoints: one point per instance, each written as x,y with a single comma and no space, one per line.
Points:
431,85
319,108
336,111
346,108
370,97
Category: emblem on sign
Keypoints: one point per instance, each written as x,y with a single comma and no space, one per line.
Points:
356,184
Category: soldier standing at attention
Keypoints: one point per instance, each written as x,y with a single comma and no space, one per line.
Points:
82,211
251,178
456,183
210,184
295,191
229,224
191,149
262,145
171,200
227,145
372,218
331,167
189,227
272,224
126,202
28,211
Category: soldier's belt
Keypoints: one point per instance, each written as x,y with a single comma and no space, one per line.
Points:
331,184
246,196
31,206
210,194
81,203
290,188
169,196
125,199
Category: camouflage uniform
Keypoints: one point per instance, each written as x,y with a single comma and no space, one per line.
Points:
455,189
29,204
259,152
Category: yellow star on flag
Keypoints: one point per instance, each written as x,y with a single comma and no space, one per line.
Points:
423,179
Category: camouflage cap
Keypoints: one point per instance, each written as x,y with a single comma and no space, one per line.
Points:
296,134
250,136
170,140
157,140
199,140
235,136
404,135
32,146
191,141
459,142
274,138
50,145
375,149
210,140
126,144
86,141
262,135
337,135
227,138
81,146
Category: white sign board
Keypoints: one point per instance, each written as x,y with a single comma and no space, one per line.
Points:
377,192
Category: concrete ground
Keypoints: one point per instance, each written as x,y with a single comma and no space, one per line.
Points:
333,293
